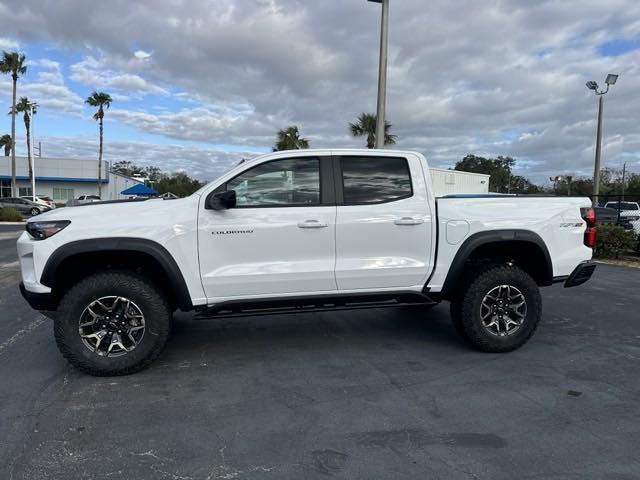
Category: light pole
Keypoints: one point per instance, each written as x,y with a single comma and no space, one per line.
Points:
382,73
34,110
591,85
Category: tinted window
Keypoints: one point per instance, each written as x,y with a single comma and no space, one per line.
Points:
287,182
375,179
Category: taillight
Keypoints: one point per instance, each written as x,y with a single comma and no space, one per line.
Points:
589,216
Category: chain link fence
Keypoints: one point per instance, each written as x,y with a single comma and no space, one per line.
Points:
623,210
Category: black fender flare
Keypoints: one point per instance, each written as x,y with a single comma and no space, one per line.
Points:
495,236
125,244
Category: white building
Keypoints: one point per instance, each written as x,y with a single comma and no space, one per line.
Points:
63,179
449,182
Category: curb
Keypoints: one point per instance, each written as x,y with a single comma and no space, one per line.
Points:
12,223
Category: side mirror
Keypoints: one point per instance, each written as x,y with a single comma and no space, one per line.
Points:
222,200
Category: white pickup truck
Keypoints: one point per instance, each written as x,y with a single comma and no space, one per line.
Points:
299,231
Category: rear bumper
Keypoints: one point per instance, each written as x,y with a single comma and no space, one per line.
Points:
580,274
38,301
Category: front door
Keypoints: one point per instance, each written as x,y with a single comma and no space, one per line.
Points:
279,239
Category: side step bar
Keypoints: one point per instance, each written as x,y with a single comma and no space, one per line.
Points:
319,303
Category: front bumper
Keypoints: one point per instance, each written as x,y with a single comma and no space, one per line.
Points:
580,274
39,301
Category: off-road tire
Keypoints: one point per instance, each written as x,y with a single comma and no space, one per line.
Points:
142,292
465,308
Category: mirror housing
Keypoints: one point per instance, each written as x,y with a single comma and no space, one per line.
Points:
221,200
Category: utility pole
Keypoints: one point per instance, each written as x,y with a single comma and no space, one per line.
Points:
624,173
382,73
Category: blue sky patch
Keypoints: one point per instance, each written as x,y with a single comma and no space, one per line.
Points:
619,46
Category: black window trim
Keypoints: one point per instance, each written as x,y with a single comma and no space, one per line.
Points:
327,186
339,179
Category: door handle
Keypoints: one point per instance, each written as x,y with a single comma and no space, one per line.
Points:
312,224
408,221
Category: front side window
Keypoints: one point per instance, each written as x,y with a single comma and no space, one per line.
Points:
287,182
368,180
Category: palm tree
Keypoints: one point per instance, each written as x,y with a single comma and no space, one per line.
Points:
5,141
13,63
100,100
366,125
26,107
289,139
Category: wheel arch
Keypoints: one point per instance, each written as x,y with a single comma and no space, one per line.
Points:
72,261
526,247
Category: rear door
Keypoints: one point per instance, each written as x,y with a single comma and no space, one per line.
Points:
383,223
280,238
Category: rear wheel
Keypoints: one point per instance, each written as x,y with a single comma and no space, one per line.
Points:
498,310
112,323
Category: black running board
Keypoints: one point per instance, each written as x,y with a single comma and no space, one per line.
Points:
319,303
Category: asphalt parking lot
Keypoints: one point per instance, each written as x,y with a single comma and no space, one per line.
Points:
366,394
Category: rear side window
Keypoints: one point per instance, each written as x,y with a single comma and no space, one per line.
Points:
367,180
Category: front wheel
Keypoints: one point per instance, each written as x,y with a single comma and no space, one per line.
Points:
499,309
112,323
35,211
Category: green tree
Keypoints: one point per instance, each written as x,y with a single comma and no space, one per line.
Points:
290,139
5,141
633,184
26,107
178,183
521,184
101,100
366,126
13,63
127,168
499,168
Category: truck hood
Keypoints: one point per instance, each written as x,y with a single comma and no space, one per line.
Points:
120,212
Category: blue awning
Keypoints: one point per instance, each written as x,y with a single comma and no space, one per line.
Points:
140,190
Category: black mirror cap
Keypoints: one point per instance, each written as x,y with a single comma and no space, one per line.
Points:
221,200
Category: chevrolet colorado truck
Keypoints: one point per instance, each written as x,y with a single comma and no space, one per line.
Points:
299,231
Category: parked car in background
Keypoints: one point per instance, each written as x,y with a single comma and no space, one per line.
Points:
46,201
24,206
629,211
88,198
82,199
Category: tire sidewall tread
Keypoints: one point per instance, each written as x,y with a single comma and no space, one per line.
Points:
127,284
466,311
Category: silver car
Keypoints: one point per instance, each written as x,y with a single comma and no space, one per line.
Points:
24,206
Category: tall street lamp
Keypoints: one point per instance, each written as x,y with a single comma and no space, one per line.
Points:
382,73
591,85
34,107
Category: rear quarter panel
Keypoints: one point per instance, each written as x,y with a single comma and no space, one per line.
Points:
556,220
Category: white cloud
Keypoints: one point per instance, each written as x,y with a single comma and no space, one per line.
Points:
141,54
464,76
8,44
95,73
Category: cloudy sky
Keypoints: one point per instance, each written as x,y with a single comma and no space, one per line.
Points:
199,84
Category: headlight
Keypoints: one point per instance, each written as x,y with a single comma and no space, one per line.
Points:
43,230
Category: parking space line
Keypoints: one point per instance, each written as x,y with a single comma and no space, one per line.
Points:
10,264
22,332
